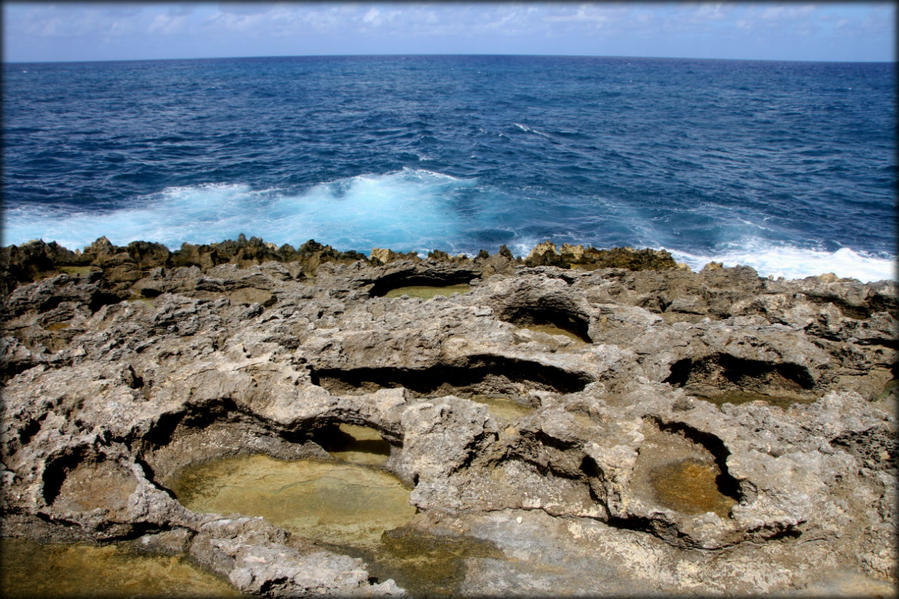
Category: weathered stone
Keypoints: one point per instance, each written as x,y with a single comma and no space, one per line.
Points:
675,432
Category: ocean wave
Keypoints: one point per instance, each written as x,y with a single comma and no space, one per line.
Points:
415,209
406,210
792,262
767,259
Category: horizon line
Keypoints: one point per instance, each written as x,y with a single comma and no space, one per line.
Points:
454,54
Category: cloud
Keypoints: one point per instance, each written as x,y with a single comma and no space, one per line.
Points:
95,21
372,17
709,12
237,21
311,28
504,19
787,12
168,24
585,13
783,18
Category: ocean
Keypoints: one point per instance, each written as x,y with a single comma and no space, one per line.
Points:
787,167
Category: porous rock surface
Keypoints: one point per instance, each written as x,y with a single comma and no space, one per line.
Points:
135,364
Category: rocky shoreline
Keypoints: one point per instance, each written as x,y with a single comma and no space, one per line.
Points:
705,432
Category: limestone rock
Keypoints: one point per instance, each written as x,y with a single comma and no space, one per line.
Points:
666,430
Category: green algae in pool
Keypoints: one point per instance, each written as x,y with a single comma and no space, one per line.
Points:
334,502
424,564
428,291
32,569
690,486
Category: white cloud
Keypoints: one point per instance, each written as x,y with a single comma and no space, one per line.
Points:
503,19
586,13
773,12
787,12
239,22
167,24
709,12
372,17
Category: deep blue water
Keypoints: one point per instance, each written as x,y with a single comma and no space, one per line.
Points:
788,167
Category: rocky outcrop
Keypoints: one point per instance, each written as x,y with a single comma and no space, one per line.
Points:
576,256
706,432
122,266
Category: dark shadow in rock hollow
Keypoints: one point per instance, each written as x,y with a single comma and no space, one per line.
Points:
553,311
722,377
433,279
474,375
337,438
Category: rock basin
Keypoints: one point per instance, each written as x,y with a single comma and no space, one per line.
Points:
353,506
337,503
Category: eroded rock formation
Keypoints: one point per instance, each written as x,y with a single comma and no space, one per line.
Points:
679,431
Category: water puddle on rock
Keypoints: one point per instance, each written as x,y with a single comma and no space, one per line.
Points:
551,329
428,291
334,502
503,407
689,486
424,564
31,569
350,506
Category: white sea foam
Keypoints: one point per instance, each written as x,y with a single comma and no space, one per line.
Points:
408,210
527,129
403,210
795,263
784,261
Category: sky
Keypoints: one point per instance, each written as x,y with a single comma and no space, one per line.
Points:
853,31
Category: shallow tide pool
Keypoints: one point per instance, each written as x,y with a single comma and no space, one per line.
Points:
689,486
350,505
504,408
32,569
335,502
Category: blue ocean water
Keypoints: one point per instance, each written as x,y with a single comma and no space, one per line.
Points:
788,167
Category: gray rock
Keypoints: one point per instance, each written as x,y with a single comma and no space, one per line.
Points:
668,431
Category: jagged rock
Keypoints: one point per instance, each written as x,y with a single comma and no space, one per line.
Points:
666,431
